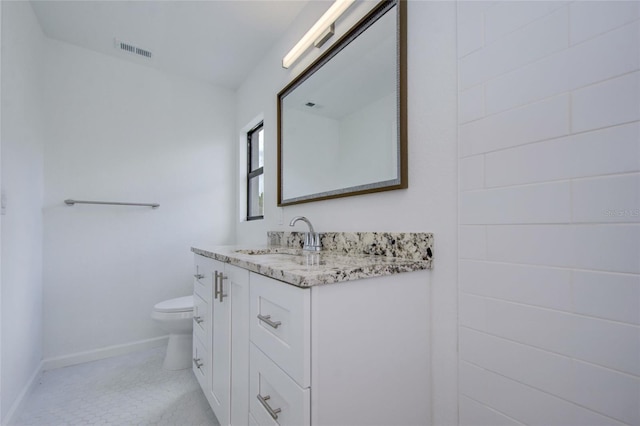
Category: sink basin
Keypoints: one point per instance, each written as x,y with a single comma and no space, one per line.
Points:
272,250
296,256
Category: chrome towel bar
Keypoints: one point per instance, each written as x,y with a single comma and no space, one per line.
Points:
72,202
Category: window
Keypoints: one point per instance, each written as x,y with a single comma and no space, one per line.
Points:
255,173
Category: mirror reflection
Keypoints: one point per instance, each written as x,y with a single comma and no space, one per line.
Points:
340,130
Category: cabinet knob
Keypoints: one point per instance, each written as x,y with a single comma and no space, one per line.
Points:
198,320
272,412
198,276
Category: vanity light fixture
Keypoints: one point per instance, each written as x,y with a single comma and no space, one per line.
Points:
319,30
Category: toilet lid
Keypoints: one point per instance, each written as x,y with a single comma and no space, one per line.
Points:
179,304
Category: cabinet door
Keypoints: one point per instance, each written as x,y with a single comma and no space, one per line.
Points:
238,280
220,369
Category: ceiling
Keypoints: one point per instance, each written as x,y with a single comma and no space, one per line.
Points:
218,41
361,73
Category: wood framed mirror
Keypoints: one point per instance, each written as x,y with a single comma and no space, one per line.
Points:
342,123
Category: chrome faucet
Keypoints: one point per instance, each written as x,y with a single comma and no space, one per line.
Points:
311,239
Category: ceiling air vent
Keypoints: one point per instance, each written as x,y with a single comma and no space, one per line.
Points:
130,48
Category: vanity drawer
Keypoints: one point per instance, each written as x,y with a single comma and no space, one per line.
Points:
203,277
200,364
281,325
201,317
274,398
252,420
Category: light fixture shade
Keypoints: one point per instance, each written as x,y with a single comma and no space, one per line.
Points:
325,21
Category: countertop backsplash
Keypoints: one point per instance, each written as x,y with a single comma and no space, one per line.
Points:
407,245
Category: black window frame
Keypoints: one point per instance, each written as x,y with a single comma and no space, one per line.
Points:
253,173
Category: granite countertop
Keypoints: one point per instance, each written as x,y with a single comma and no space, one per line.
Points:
345,256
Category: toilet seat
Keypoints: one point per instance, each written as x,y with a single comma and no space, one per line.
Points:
177,305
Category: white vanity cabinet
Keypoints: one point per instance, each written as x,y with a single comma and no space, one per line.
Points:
349,353
221,299
353,353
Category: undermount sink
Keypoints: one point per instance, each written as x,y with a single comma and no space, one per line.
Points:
283,254
272,250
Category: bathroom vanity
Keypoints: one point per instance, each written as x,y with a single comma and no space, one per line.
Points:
284,336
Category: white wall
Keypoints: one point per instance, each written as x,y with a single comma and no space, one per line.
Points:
303,178
22,183
373,130
120,131
549,212
429,204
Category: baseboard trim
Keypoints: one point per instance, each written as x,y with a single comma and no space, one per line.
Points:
102,353
17,405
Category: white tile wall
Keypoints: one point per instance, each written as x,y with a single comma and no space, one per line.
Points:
609,296
549,220
607,391
472,412
543,328
543,203
547,371
614,248
606,343
516,127
473,242
567,70
550,245
607,199
606,104
592,18
522,402
615,394
506,17
607,151
471,32
533,285
532,42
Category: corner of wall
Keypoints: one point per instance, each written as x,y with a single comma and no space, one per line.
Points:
16,407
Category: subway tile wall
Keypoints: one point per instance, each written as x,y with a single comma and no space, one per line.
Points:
549,212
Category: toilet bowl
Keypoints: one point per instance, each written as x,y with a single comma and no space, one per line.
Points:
175,316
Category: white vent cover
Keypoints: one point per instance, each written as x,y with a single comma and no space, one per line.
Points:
130,48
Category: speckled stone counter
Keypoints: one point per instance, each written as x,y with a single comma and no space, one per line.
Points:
345,256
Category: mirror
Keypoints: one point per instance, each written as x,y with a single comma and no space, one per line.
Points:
342,121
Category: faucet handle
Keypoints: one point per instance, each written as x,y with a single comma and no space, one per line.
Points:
312,242
315,240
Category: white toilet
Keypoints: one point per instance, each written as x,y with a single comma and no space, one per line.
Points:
176,317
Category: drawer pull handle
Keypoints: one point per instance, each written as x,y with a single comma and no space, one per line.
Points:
263,400
267,319
197,362
198,320
198,276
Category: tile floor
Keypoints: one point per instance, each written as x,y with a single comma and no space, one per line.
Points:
127,390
